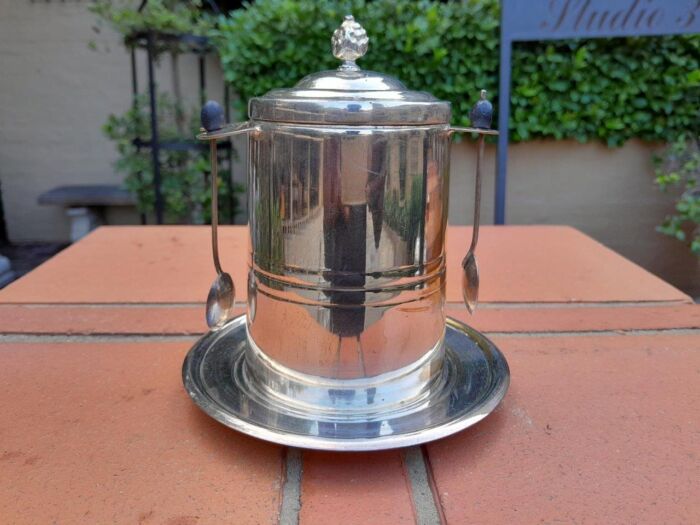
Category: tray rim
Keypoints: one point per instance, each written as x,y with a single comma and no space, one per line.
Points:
313,442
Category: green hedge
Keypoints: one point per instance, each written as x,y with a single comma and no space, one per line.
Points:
606,89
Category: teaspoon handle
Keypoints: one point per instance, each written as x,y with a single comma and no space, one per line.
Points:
214,127
481,116
214,205
212,118
477,194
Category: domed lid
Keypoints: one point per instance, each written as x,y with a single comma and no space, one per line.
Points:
350,95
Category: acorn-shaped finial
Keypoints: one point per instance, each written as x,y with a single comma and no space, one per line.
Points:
349,42
212,116
482,113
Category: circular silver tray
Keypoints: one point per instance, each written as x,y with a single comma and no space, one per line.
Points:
475,379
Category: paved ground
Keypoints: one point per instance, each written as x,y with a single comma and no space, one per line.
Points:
24,257
600,424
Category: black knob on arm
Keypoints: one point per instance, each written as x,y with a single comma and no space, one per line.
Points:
482,113
212,116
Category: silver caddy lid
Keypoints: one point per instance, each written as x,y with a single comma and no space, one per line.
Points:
350,95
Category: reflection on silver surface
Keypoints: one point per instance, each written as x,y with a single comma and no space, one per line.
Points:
347,233
220,374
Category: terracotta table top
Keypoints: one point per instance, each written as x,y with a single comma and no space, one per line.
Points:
600,424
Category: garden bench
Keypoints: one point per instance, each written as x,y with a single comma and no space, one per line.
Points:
85,204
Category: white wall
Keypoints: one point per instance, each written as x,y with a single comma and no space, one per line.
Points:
55,94
607,193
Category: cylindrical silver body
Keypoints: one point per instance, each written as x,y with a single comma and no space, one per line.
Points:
347,250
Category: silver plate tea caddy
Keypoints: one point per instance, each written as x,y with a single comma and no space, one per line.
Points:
345,344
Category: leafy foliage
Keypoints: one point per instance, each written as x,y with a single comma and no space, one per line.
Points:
165,16
185,187
597,89
184,174
679,168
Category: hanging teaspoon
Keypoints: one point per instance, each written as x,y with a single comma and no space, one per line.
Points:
481,116
222,291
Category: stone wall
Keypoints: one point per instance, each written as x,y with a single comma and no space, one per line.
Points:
55,93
